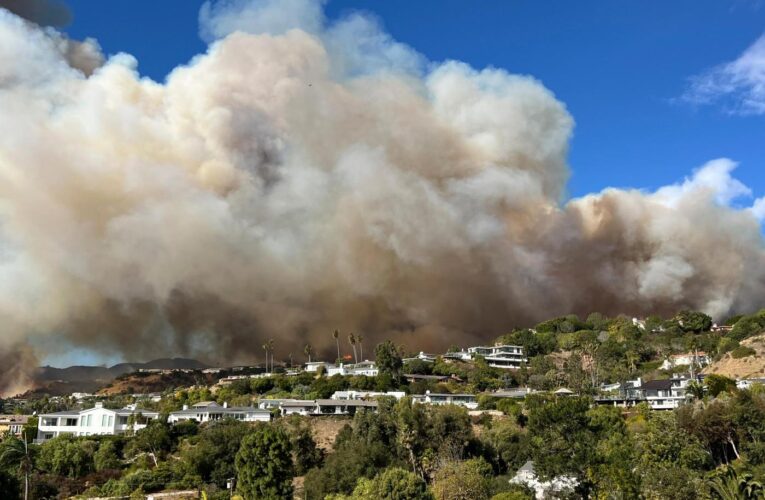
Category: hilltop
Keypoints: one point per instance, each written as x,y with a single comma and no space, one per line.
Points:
82,378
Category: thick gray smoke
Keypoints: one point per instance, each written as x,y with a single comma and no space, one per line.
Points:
303,177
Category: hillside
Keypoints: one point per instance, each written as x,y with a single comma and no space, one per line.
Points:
143,383
63,381
90,373
752,366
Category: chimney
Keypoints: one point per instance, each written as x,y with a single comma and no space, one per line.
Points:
99,405
225,404
185,407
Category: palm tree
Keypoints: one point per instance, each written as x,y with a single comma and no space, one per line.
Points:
16,451
352,341
269,348
335,336
359,339
265,348
308,350
729,484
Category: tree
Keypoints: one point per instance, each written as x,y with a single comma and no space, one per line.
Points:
67,455
359,340
462,480
727,483
388,359
269,348
717,384
693,321
411,425
212,456
307,454
264,464
392,484
335,336
29,431
562,441
15,453
308,350
352,341
106,456
153,440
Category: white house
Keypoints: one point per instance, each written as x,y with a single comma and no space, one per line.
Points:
358,395
94,421
497,356
368,368
212,412
467,400
313,366
699,359
747,383
427,358
554,488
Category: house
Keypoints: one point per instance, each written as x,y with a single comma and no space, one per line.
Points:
358,395
517,393
467,400
497,356
212,412
748,383
94,421
721,328
427,358
665,394
699,359
559,486
13,424
343,406
154,397
297,407
314,366
79,396
563,392
415,377
367,368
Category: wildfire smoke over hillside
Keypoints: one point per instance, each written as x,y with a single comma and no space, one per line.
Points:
305,176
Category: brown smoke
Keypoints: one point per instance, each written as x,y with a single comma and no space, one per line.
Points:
42,12
293,182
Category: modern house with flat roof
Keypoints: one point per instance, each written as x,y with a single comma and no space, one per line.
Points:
94,421
467,400
213,412
497,356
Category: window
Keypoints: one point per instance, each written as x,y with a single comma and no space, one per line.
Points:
103,420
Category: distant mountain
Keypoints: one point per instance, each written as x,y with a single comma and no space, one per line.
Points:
102,373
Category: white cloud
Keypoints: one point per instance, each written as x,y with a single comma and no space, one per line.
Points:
713,178
739,85
758,208
273,17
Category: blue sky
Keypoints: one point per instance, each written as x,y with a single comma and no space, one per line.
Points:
621,68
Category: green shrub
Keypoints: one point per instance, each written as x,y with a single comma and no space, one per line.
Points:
742,351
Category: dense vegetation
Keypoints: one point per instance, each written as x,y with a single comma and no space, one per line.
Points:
407,450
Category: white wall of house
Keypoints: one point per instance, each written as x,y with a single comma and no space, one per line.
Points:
94,421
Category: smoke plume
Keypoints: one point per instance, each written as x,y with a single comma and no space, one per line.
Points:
42,12
305,176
